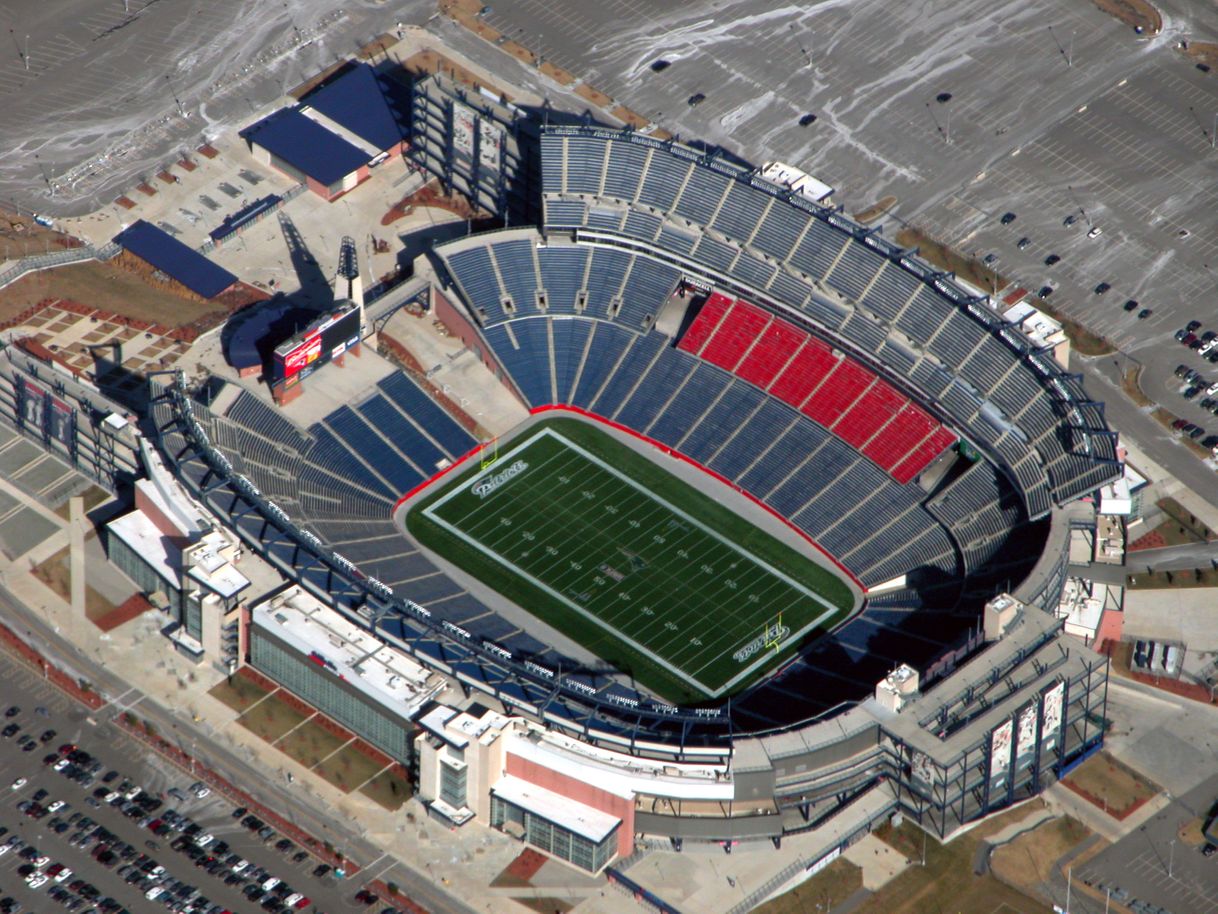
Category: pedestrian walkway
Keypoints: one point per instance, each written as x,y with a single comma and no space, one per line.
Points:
1063,801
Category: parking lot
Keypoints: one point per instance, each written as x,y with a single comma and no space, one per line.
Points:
124,836
1152,868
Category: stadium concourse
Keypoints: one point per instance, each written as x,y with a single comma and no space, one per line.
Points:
885,413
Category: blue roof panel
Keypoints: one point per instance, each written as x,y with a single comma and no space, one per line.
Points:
369,105
172,257
306,145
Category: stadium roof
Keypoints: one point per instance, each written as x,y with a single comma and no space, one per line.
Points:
367,104
306,145
170,256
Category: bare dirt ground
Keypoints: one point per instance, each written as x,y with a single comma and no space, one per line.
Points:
1027,862
876,210
21,235
1134,13
1112,786
1204,53
104,286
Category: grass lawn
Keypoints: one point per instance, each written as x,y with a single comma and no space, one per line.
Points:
310,743
102,285
947,882
56,573
239,692
936,253
348,768
93,496
831,886
650,574
1027,862
1111,785
389,789
271,719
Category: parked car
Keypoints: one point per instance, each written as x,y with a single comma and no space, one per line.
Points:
1007,218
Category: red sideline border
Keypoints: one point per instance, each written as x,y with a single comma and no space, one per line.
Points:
557,407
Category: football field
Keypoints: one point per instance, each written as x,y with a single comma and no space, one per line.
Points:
639,567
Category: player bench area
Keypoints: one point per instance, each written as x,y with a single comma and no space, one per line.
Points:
642,569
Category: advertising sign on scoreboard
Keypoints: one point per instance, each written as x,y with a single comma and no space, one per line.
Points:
464,127
1051,723
326,338
1000,750
1026,744
490,144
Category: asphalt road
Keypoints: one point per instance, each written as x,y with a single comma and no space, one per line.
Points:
1102,379
289,802
1153,865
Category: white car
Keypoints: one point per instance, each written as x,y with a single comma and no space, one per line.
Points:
56,806
291,900
63,875
1206,347
1095,232
204,840
203,792
1212,389
153,893
5,848
112,796
36,880
40,862
18,784
61,764
270,884
132,793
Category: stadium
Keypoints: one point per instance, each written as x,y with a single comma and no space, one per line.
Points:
723,373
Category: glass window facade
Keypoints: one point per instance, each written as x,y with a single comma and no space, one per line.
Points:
330,695
554,839
452,784
132,564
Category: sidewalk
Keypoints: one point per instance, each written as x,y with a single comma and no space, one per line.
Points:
470,857
1065,802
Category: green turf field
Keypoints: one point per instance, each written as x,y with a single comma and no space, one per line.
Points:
647,572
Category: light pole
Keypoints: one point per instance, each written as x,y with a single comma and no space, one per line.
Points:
1069,885
27,52
1171,857
1070,54
1214,132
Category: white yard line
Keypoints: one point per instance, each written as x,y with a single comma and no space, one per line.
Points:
668,663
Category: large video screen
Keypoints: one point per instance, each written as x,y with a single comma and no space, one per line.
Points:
326,339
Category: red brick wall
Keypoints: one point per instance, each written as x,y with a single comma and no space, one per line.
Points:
459,326
588,794
160,520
